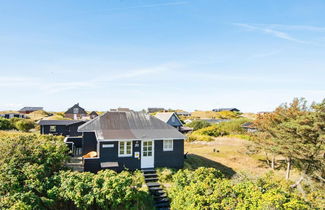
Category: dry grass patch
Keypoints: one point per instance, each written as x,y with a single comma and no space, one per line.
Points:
227,155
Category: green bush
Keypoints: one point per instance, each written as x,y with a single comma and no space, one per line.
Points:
33,176
5,124
24,125
26,163
165,174
206,188
198,124
105,190
213,130
233,126
198,137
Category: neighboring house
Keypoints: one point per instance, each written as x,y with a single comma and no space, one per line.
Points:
170,118
27,110
60,127
93,114
185,114
249,127
75,112
153,110
188,121
226,109
131,140
12,115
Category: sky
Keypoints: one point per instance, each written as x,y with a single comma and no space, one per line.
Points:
181,54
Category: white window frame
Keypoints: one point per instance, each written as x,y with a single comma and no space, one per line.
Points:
165,144
125,149
52,128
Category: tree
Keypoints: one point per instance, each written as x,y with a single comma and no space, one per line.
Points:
296,132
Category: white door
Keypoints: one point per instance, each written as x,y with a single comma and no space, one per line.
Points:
147,154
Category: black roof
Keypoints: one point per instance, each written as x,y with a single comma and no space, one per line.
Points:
93,113
59,122
27,108
80,110
225,109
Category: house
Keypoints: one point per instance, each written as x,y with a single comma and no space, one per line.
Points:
12,115
249,127
185,114
93,114
27,110
170,118
60,127
75,112
188,121
154,110
226,109
132,140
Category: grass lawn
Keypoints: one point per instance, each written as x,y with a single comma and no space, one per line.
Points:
231,156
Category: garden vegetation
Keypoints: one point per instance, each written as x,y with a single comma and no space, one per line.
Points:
33,176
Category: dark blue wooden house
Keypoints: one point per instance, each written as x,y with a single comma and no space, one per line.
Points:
170,118
61,127
131,140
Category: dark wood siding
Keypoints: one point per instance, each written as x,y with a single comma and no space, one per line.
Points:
73,129
111,155
171,159
89,142
60,130
92,165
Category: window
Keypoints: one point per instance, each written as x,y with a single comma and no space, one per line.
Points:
147,149
75,110
125,149
52,128
168,145
173,119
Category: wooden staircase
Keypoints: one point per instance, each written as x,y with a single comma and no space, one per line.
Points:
161,200
76,164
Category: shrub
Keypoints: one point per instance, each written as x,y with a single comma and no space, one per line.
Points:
206,188
104,190
198,124
5,124
24,125
198,137
26,163
165,174
233,126
213,130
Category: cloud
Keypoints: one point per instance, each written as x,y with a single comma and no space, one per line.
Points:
269,29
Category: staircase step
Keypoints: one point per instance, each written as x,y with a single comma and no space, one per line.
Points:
153,184
160,196
80,169
74,164
75,160
150,175
151,179
161,200
162,204
157,191
148,170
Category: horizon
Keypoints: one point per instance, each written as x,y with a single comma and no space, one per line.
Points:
174,54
